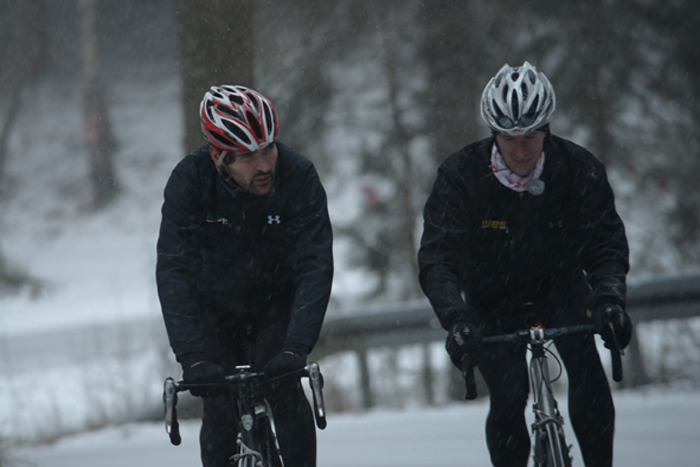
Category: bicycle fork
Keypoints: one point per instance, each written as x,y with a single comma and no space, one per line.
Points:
254,426
548,425
246,456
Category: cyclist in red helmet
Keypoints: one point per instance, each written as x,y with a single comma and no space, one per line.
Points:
521,228
239,123
245,267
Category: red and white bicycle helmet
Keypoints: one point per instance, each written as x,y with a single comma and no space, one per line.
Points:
238,119
517,100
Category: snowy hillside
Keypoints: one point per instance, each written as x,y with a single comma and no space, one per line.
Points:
94,266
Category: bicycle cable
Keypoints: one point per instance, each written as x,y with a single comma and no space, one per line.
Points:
275,378
558,360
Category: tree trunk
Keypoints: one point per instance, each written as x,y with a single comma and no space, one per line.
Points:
28,58
217,47
27,63
98,132
405,174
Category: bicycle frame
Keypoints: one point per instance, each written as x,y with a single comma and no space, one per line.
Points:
256,442
549,447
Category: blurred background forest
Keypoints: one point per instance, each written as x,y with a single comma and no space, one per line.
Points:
378,93
99,102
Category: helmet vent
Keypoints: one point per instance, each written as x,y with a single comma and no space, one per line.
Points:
207,109
238,133
514,103
523,89
254,125
228,111
255,103
221,139
235,99
268,119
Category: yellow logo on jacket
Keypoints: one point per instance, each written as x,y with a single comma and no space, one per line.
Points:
491,224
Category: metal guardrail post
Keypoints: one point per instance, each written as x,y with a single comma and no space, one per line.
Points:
634,370
365,386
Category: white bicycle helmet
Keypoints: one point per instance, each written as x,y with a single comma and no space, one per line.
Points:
517,100
238,119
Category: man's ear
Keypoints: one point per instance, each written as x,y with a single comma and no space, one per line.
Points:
215,154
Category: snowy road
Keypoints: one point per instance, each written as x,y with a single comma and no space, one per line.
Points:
654,428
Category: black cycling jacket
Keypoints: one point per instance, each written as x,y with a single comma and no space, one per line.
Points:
486,247
223,253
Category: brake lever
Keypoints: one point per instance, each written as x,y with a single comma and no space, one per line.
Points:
316,382
615,341
172,426
616,354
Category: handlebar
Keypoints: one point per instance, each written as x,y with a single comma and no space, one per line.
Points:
172,387
540,336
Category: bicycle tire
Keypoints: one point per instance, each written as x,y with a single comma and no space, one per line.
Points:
558,451
268,444
551,449
540,451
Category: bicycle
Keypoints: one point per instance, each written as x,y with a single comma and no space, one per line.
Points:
549,448
256,442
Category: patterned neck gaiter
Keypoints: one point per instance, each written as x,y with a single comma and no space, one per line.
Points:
511,179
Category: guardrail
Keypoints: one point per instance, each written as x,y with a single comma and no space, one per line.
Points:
399,324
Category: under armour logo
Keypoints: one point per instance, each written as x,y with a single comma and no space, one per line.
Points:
273,220
558,224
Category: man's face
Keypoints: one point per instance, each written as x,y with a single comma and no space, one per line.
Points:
521,152
255,171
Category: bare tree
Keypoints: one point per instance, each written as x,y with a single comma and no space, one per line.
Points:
681,83
26,64
26,61
217,46
463,44
383,113
98,131
298,77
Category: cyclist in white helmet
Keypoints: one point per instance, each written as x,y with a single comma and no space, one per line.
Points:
521,229
245,268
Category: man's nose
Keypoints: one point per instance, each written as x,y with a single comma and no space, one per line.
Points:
262,164
520,149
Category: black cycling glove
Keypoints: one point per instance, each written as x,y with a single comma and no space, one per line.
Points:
621,325
463,340
292,359
196,370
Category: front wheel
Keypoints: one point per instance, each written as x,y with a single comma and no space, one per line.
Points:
269,446
551,449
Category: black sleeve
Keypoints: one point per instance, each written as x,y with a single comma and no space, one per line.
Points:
606,252
444,230
179,260
311,260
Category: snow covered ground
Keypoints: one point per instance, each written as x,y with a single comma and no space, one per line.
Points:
654,428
